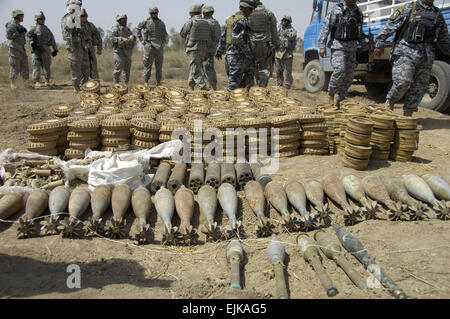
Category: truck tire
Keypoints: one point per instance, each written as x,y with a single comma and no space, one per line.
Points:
315,78
437,97
377,90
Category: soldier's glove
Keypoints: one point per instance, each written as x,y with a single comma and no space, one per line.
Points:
323,53
54,53
22,29
219,56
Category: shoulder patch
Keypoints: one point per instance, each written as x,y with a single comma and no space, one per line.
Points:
397,12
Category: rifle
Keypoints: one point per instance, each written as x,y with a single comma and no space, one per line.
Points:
36,47
400,34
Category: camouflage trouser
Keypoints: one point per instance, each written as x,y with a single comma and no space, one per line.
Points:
210,70
93,63
344,63
18,64
240,72
411,78
196,59
284,66
122,65
262,53
153,55
79,67
44,61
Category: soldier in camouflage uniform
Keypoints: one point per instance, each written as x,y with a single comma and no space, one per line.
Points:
76,45
94,40
208,65
285,57
18,60
153,36
123,41
414,54
198,33
344,22
41,39
236,44
264,41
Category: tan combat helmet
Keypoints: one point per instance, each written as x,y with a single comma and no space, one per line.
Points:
195,8
121,16
207,8
74,2
287,18
39,16
17,13
247,4
153,10
83,13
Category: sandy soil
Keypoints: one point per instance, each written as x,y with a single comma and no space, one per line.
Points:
415,254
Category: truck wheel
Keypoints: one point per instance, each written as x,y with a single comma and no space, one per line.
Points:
315,78
437,97
377,90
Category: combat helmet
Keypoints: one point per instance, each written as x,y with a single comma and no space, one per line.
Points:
287,18
17,13
83,13
153,10
248,4
207,8
39,16
121,16
195,8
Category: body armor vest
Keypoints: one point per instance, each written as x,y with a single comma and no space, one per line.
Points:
153,30
200,30
230,24
259,21
422,27
348,25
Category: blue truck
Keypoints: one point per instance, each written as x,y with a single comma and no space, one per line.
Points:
372,71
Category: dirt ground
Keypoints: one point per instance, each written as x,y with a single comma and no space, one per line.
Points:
415,254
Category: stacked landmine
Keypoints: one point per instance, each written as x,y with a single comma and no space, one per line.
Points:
329,114
357,143
382,136
62,111
288,138
82,135
115,134
406,140
145,133
44,138
314,136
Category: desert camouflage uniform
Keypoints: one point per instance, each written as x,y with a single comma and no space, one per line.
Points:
154,47
412,61
343,53
209,65
18,59
123,51
77,52
263,38
93,39
197,52
42,58
239,64
285,57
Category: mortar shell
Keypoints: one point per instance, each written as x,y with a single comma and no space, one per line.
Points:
10,204
58,200
184,204
36,204
100,200
177,177
207,200
120,201
165,206
161,177
79,202
141,202
263,179
228,200
196,177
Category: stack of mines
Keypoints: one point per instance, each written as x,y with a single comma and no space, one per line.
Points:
82,135
115,133
314,138
357,143
406,139
332,128
382,136
47,138
89,101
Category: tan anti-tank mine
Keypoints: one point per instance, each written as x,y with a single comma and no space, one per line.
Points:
120,202
36,205
141,202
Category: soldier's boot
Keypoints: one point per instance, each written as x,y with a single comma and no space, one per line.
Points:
13,85
408,112
76,89
331,99
389,105
337,102
214,87
192,86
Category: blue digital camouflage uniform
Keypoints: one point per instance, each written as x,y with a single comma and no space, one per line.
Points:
18,60
239,64
285,57
264,38
123,43
197,51
413,60
343,52
153,32
77,53
94,40
42,39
